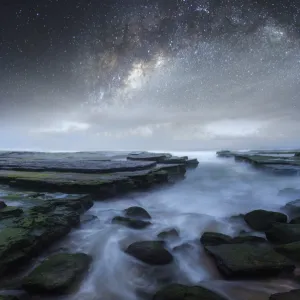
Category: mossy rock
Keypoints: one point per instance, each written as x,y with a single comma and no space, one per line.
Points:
136,212
214,239
131,223
150,252
249,260
293,208
16,245
291,250
262,220
57,273
283,233
10,212
291,295
183,292
168,234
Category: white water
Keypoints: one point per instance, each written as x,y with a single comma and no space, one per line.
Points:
216,190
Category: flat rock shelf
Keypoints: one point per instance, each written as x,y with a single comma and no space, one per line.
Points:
277,162
100,176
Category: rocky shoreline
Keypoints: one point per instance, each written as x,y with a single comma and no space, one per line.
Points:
270,248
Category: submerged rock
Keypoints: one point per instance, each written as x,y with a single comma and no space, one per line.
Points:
183,292
262,220
283,233
87,218
168,234
150,252
131,223
291,295
291,250
248,260
57,273
137,212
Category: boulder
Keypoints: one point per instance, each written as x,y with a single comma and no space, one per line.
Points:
262,220
183,292
10,212
283,233
291,295
293,208
136,212
291,250
57,274
214,239
150,252
248,260
131,223
168,234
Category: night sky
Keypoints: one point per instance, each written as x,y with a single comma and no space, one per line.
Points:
58,55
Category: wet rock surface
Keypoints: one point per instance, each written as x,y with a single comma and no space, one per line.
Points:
291,250
150,252
248,260
183,292
23,237
57,273
168,234
131,222
283,233
136,212
262,220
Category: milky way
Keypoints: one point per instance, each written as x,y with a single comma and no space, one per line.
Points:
149,73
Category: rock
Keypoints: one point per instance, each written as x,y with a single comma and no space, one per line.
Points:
16,245
248,239
183,292
183,247
291,295
87,218
168,234
57,273
293,208
291,250
10,212
131,223
248,260
262,220
136,212
214,239
148,156
283,233
150,252
2,204
295,221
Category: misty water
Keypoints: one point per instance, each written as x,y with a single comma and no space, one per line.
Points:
204,201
